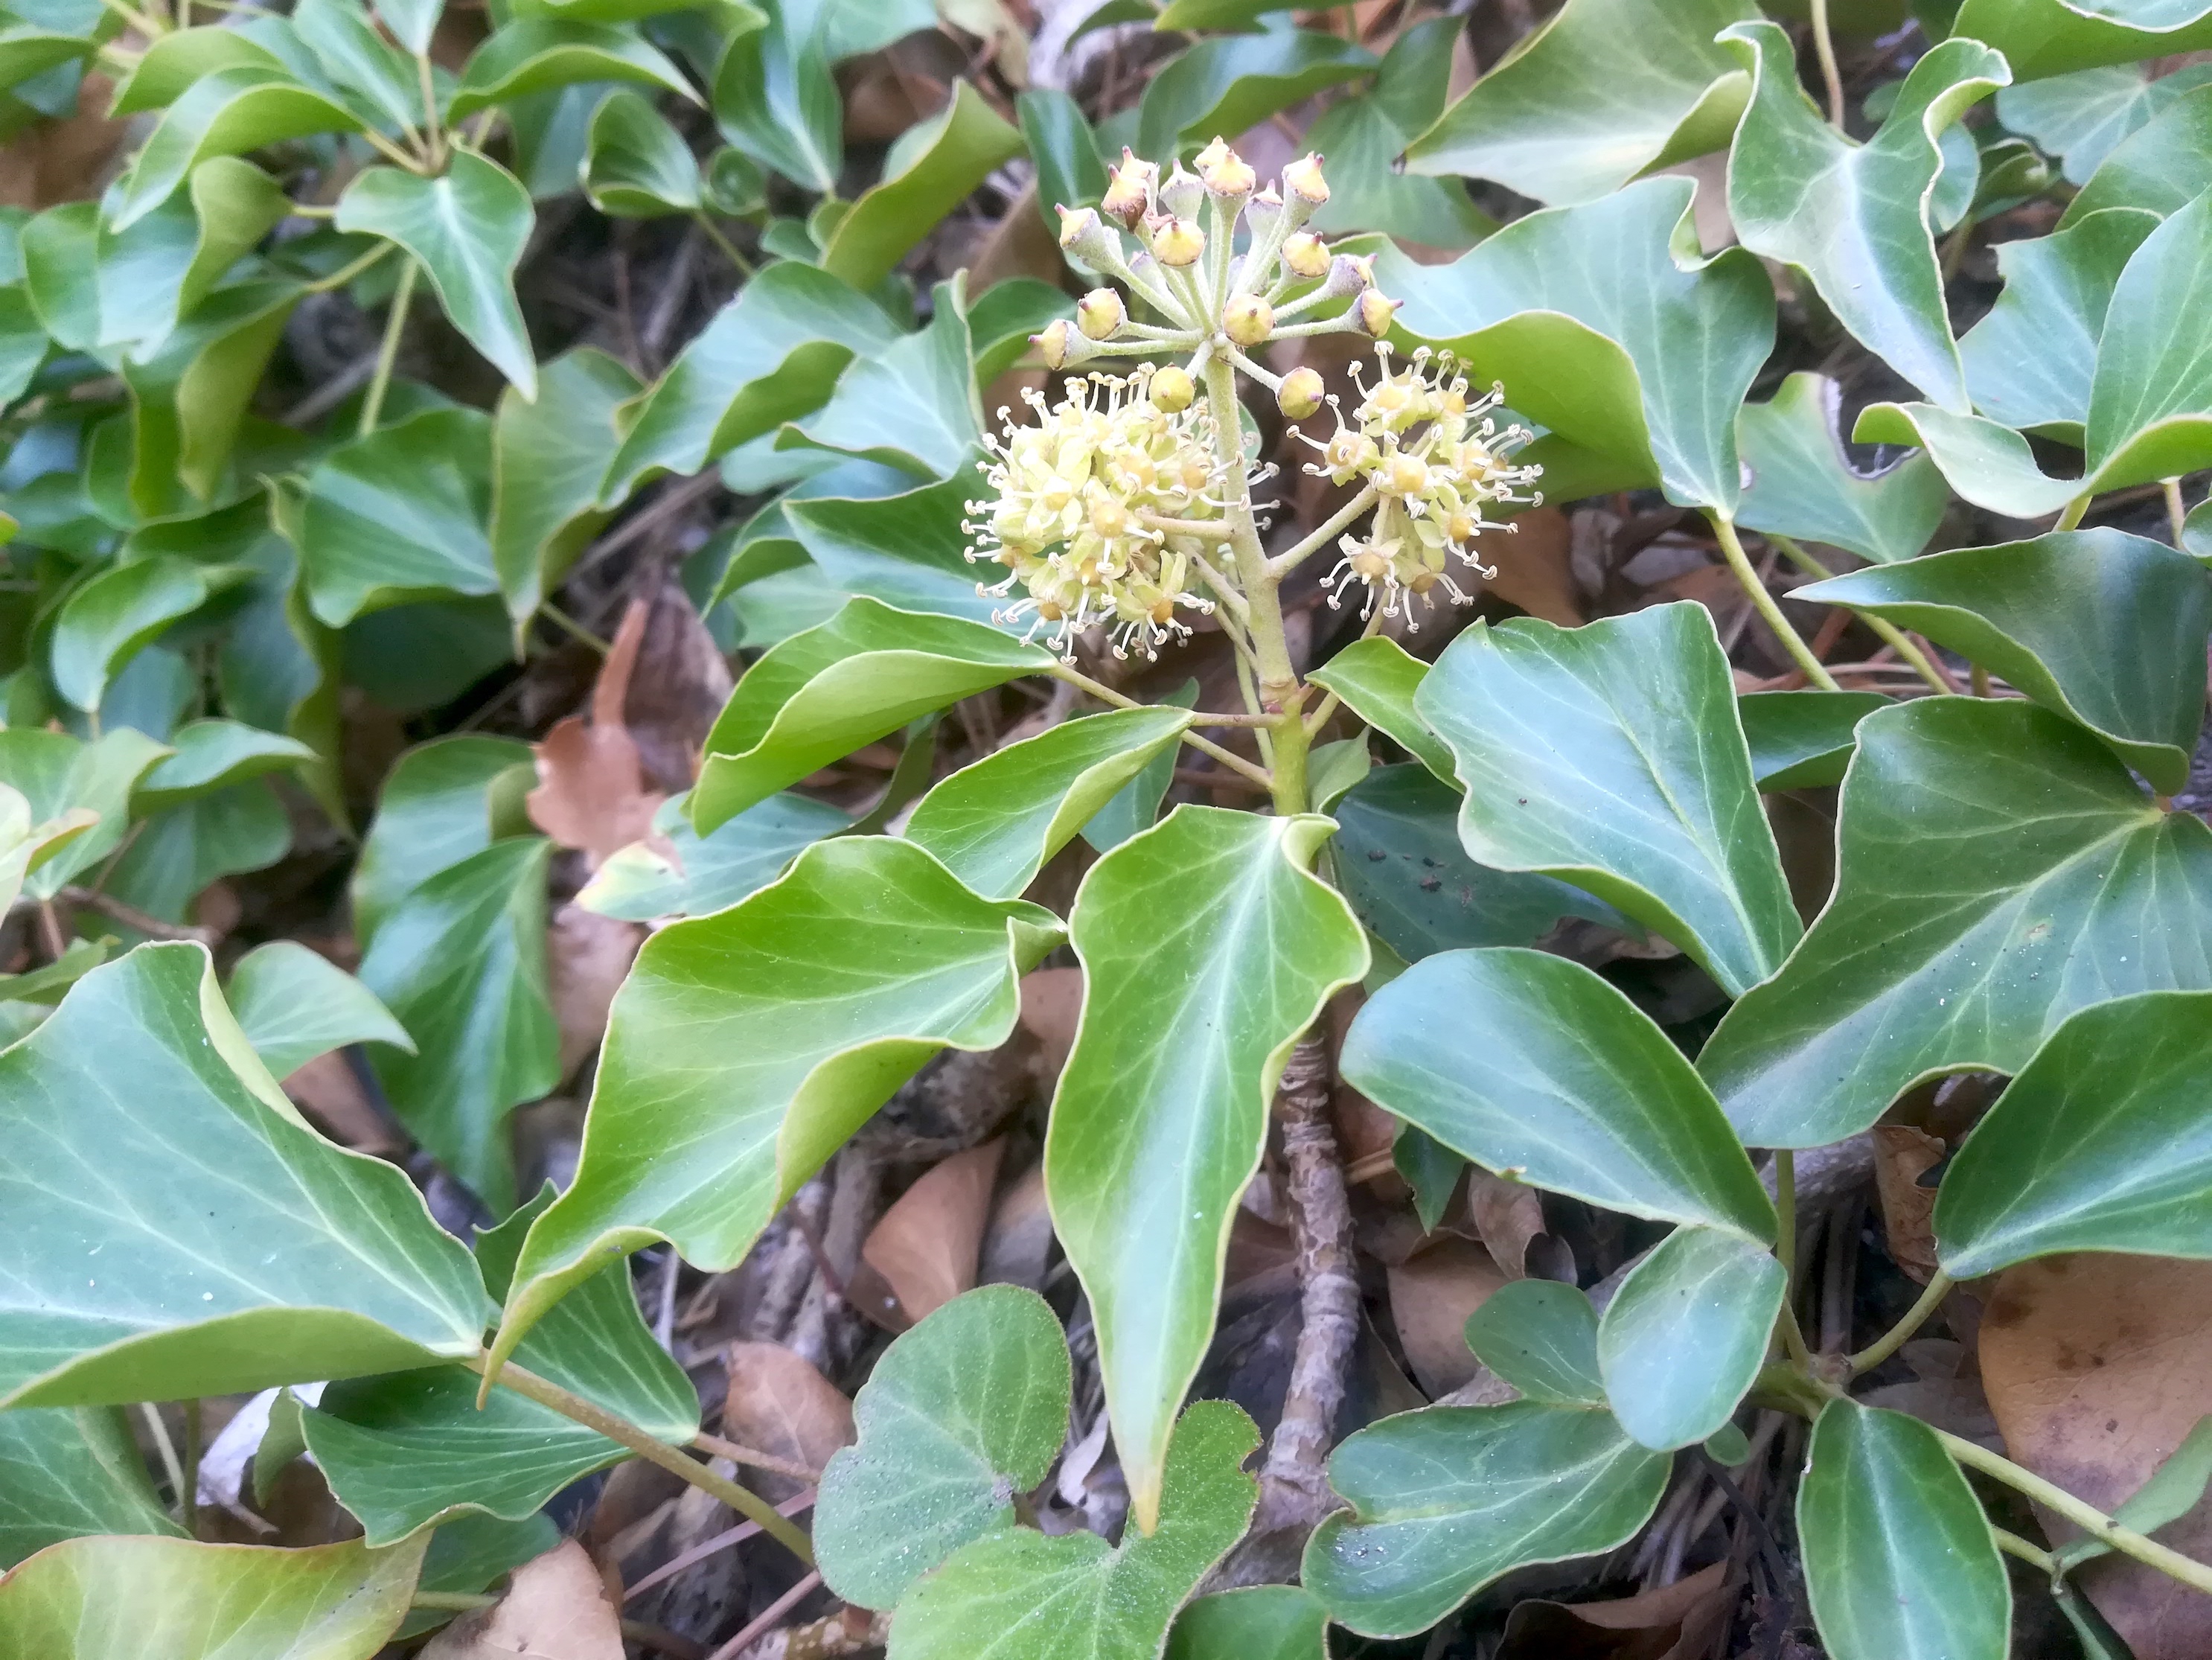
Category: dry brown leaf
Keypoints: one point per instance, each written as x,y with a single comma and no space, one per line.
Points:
557,1608
779,1403
1506,1215
66,160
673,702
1534,567
2096,1367
1431,1294
1674,1622
591,791
1902,1155
327,1090
587,955
927,1245
1052,1002
1017,1245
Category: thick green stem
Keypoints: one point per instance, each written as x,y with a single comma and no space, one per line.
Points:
2176,512
2073,512
745,1502
1785,1250
1765,604
1281,693
1824,46
2012,1545
1894,637
387,354
1901,1334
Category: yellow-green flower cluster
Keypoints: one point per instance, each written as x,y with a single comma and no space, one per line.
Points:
1076,509
1434,459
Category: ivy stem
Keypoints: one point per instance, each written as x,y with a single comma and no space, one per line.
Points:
1901,1334
2073,512
172,1467
345,274
1281,693
745,1502
1106,693
433,139
1824,46
2176,512
1342,520
729,248
1889,633
372,405
2087,1516
1764,602
1785,1251
2012,1545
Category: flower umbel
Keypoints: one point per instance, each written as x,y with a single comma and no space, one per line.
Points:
1076,514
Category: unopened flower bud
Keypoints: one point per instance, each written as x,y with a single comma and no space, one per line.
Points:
1349,274
1172,389
1129,193
1305,254
1261,212
1177,242
1375,313
1225,173
1181,193
1100,313
1303,180
1248,319
1061,346
1090,244
1300,394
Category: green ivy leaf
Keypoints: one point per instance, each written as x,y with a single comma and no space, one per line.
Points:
103,623
467,229
412,22
189,399
461,961
1377,679
318,1263
60,776
178,852
1232,83
534,54
293,1005
1447,1499
2170,1495
1803,739
1003,317
1363,138
2091,1147
2050,37
968,1409
174,60
994,823
358,59
1497,1054
1996,870
1136,805
940,164
682,873
1898,1558
67,1472
548,457
1541,1337
1017,1593
469,1553
1855,218
441,802
136,1599
893,960
1603,92
25,844
1258,1623
1685,1334
1991,465
1606,326
2081,116
2106,628
212,755
771,355
907,550
60,250
774,99
1610,757
399,515
1400,865
165,264
1802,484
1161,1113
2156,167
913,405
820,695
225,113
637,166
1070,173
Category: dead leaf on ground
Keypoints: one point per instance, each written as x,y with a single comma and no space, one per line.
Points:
329,1092
2097,1366
1052,1002
673,702
591,791
1674,1622
927,1245
587,955
779,1403
1506,1215
1534,564
64,159
557,1608
1431,1294
1902,1155
1017,1248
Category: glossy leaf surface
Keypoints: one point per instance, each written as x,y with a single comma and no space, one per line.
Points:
1685,1334
943,162
293,1005
1803,739
1541,1337
548,459
1802,484
67,1473
398,516
683,873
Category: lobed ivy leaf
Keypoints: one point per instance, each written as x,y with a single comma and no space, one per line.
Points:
1610,757
1364,136
1801,483
104,623
963,1412
162,266
25,844
2052,37
548,457
1540,1336
1161,1113
1447,1499
1230,83
635,165
177,853
228,112
822,694
293,1005
679,873
1377,679
122,1285
2094,1147
914,405
176,1599
995,822
536,54
1996,870
906,549
399,514
1019,1594
467,229
1687,1332
2104,628
774,98
2080,116
1803,739
891,960
2155,167
1601,93
68,1473
174,60
441,802
1533,1067
62,778
1856,217
1070,173
189,399
1900,1560
358,59
932,169
1607,327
